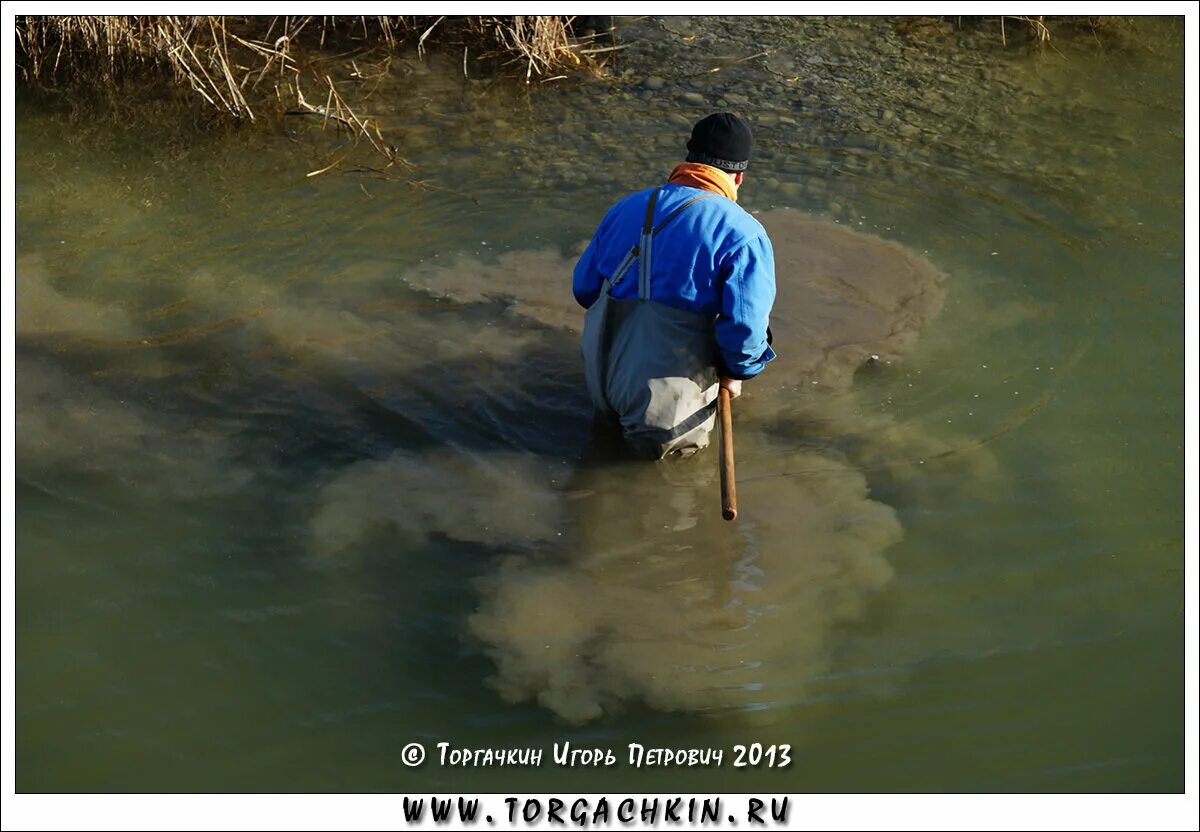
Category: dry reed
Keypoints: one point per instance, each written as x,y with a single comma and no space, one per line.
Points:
241,65
1037,30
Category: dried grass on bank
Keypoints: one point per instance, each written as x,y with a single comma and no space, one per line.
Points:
1039,29
241,66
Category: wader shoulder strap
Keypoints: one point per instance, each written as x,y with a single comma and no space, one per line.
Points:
643,247
679,210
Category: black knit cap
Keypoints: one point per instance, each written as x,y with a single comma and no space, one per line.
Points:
723,141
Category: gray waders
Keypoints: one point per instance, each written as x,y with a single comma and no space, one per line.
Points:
650,365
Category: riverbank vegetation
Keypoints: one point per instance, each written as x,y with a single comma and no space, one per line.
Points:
1039,30
245,66
242,69
235,63
241,65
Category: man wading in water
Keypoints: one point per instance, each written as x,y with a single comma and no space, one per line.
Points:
678,283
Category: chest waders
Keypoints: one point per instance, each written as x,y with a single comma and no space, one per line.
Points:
650,365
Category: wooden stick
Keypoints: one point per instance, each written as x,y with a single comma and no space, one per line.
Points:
728,482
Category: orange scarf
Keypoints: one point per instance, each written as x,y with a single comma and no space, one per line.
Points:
706,178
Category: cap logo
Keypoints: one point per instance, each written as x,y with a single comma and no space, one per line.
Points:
723,164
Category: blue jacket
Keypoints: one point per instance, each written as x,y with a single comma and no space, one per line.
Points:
713,258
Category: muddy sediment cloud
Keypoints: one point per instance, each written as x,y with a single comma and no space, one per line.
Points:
620,587
43,310
497,500
845,296
536,284
67,426
718,618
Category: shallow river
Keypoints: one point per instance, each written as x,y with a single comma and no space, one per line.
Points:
305,469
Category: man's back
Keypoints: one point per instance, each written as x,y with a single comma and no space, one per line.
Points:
712,258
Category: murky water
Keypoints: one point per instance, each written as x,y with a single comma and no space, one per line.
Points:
305,465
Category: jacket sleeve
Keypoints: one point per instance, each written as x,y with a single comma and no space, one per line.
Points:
588,279
742,327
